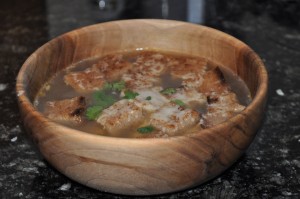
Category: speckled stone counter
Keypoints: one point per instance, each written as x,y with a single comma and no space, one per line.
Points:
270,168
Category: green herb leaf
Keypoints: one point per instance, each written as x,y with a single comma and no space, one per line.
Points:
103,99
115,86
168,91
145,129
93,112
148,98
179,102
107,86
130,94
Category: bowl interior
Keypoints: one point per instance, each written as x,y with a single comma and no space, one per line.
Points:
193,159
171,36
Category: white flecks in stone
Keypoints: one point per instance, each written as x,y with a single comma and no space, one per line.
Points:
277,63
285,162
65,187
20,194
255,163
30,169
39,163
292,36
3,127
14,139
16,129
284,150
257,167
287,193
278,179
280,92
296,163
4,137
296,136
3,87
11,164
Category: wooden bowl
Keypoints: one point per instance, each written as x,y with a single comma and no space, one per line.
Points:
142,166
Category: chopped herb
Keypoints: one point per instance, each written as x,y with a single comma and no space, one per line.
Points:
107,86
115,86
179,102
130,94
148,98
103,99
145,129
168,91
93,112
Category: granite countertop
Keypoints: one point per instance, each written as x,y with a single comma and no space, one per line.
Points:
270,168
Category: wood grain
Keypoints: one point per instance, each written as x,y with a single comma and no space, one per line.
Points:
142,166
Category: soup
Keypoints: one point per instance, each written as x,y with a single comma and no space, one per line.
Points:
143,94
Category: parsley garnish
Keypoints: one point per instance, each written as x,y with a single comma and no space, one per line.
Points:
115,86
103,100
148,98
93,112
130,94
179,102
168,91
145,129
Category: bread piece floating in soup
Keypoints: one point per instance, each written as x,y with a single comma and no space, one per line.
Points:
172,118
67,110
121,116
113,66
214,81
85,81
190,70
151,63
222,101
109,68
220,108
144,94
146,71
150,100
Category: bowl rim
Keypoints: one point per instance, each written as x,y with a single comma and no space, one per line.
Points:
258,98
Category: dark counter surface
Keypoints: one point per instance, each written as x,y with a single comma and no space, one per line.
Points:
270,168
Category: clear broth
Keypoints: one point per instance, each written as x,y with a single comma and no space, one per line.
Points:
56,89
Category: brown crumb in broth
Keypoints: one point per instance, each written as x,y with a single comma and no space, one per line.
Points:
67,110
